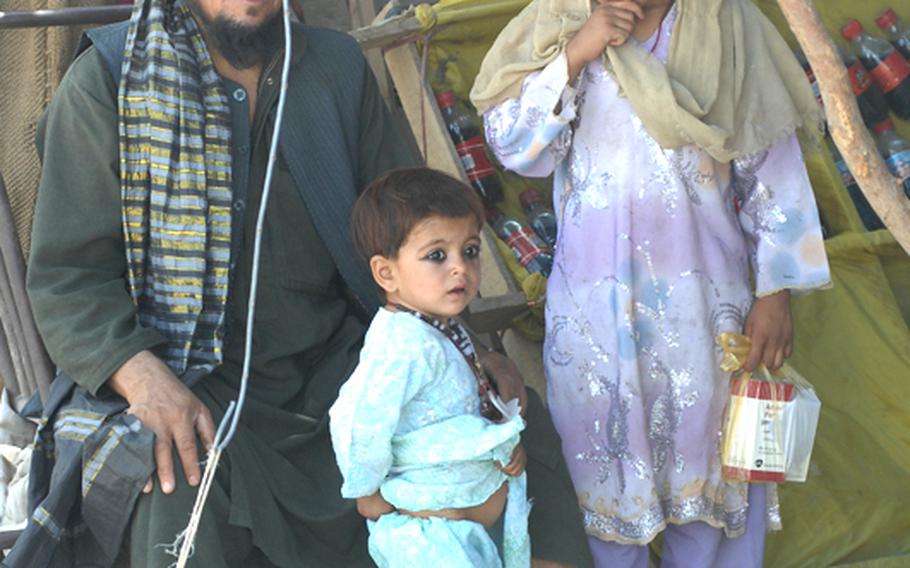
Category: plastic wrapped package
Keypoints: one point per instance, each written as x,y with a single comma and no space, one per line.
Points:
770,421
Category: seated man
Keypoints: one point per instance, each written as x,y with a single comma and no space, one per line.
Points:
155,150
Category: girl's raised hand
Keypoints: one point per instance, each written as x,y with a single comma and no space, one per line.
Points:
610,24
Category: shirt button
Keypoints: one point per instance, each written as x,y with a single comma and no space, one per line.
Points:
238,205
239,95
243,148
270,81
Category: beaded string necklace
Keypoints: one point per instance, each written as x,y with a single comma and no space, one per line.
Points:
455,333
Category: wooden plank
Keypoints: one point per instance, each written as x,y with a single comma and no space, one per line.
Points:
388,31
489,315
432,137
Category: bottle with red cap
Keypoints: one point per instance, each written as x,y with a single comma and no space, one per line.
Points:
896,152
888,68
541,217
872,104
869,97
898,34
470,147
529,250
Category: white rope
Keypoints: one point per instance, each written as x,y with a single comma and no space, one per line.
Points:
232,415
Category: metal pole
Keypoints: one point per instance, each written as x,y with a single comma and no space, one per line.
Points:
64,17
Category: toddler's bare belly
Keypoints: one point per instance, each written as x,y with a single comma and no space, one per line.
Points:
486,513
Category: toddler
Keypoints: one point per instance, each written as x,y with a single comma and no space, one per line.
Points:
419,434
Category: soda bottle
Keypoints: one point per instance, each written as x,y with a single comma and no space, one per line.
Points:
529,250
867,215
897,32
470,147
541,217
896,152
869,97
810,74
888,68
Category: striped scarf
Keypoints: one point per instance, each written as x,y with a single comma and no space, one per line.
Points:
175,171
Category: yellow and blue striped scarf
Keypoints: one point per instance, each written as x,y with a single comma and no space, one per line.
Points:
175,168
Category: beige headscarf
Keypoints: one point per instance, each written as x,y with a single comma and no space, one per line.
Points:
731,84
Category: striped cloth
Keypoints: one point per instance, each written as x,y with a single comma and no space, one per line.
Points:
175,169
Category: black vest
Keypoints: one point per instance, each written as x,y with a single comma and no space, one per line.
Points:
319,137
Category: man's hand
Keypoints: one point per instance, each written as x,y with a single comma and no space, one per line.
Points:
373,506
166,407
505,375
610,24
516,465
771,329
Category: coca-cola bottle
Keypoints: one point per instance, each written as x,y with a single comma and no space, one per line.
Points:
541,217
529,250
867,215
869,97
470,147
888,68
896,152
898,34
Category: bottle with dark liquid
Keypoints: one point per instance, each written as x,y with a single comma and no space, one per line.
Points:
867,215
470,147
541,217
896,152
888,68
529,250
872,104
898,34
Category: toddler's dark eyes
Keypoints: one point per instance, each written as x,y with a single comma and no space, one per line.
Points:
436,256
471,251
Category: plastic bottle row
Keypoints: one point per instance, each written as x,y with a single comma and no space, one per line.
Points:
532,246
880,76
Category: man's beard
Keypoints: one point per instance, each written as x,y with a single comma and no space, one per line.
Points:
243,46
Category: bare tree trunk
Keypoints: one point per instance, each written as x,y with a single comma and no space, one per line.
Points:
853,140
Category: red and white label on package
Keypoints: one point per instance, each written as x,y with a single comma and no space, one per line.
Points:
753,449
474,158
891,72
860,80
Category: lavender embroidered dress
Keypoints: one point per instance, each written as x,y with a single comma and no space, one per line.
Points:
652,263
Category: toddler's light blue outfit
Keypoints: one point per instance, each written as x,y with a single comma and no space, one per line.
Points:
408,423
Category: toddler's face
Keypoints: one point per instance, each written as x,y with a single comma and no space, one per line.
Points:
437,271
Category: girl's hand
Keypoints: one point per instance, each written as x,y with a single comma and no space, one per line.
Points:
503,372
517,464
771,329
610,24
373,506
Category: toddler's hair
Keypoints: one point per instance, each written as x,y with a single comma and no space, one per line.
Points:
393,204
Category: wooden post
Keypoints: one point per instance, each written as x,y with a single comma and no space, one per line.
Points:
845,122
